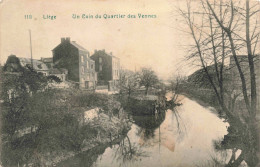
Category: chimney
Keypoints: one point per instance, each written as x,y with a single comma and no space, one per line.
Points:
68,39
95,50
62,40
111,53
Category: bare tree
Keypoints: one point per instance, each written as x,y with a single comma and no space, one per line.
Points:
251,99
217,35
231,33
128,81
175,86
148,78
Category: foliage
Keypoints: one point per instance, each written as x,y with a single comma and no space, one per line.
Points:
16,91
56,114
106,103
53,78
128,82
53,116
148,78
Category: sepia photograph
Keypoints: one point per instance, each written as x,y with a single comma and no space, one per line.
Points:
130,83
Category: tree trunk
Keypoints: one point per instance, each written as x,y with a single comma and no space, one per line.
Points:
253,82
129,91
146,90
257,125
237,162
251,63
241,74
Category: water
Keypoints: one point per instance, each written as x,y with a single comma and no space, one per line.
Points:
181,138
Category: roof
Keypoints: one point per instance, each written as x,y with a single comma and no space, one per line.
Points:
105,53
37,65
47,60
78,46
72,43
109,54
115,57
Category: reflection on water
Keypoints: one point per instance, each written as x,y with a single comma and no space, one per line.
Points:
167,139
168,145
127,152
86,158
148,124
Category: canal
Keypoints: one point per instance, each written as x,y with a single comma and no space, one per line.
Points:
181,137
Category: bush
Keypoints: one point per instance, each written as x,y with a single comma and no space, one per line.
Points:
54,113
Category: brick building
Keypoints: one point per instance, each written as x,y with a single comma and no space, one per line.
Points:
108,68
76,59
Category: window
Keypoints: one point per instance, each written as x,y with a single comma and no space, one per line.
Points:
100,60
91,84
100,67
87,64
87,77
82,59
92,66
82,70
39,66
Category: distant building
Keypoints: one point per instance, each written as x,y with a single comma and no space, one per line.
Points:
108,68
235,77
14,64
76,59
48,61
37,65
243,61
60,73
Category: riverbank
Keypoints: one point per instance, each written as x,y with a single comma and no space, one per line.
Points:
110,129
205,99
56,127
110,124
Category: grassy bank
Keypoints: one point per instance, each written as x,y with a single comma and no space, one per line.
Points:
60,132
205,97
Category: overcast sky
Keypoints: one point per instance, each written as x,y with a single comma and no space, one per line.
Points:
154,42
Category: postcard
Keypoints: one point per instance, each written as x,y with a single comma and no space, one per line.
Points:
112,83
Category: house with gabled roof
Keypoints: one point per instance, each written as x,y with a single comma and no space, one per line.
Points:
76,59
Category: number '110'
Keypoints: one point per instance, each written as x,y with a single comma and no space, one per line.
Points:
28,16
